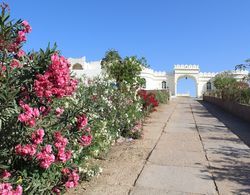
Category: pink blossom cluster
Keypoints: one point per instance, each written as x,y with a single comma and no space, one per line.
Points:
5,174
14,45
45,157
7,189
60,143
26,150
82,121
86,140
29,115
59,111
56,81
72,178
15,64
37,136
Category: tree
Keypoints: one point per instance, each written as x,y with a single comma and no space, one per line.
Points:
125,70
224,82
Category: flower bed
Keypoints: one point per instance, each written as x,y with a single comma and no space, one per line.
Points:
52,125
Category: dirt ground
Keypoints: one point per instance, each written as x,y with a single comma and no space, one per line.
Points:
125,160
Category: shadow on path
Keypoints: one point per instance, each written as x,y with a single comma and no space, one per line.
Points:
238,126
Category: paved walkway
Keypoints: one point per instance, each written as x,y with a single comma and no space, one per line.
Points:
185,150
196,154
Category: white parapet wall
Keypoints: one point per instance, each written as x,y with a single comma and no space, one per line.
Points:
158,79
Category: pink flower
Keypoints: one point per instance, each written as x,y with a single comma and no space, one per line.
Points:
56,80
21,37
5,174
37,136
46,158
82,121
18,191
56,191
65,171
60,141
86,140
29,115
59,111
26,26
69,184
20,53
73,179
26,150
15,64
62,155
7,189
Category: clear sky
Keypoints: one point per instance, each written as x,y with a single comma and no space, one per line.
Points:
212,33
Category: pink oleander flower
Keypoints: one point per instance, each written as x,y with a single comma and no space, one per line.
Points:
56,191
56,81
26,150
15,64
26,26
5,174
63,155
21,37
82,121
86,140
20,53
29,116
59,111
73,179
45,157
37,136
65,171
60,141
18,190
7,189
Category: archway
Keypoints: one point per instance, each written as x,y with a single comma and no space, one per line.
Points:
186,85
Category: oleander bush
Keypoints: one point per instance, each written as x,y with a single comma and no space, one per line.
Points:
228,88
51,124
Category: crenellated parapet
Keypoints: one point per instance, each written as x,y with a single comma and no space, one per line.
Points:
153,72
187,66
208,74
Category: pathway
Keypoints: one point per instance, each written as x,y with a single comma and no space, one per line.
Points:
185,150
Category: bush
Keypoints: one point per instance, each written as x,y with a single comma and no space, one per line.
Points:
149,101
228,88
162,97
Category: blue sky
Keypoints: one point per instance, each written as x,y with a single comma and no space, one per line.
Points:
212,33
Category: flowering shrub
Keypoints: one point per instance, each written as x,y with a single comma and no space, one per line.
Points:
149,100
228,88
51,125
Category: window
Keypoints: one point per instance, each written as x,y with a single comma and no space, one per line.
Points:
77,66
209,86
164,85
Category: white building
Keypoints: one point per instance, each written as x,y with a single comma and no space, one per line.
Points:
158,80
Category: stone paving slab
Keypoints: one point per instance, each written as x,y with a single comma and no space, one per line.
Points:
178,158
153,191
173,178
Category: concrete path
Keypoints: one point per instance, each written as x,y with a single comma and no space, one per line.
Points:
195,154
185,150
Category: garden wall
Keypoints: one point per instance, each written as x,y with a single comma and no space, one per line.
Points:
240,110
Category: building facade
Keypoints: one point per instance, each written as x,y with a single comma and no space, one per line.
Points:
158,79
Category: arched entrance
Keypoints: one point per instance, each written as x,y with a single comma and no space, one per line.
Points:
186,85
